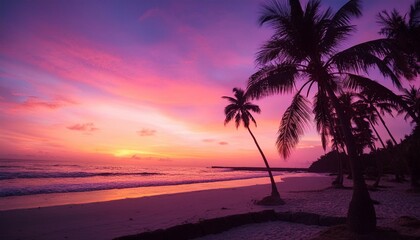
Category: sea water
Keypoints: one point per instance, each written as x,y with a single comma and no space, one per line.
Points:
31,183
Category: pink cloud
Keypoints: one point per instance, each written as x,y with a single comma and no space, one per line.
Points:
85,127
223,143
145,132
35,102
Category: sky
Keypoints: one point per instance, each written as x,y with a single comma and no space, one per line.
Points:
141,81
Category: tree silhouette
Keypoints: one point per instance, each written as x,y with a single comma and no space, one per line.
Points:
240,109
380,107
411,98
305,46
404,30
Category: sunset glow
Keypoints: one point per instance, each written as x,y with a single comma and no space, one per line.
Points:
142,81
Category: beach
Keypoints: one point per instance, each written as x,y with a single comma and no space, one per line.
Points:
107,220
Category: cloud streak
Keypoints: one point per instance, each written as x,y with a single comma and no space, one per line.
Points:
35,102
84,127
146,132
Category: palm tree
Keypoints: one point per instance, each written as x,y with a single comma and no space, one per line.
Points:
359,124
239,109
305,46
368,105
337,142
405,33
364,111
411,97
374,103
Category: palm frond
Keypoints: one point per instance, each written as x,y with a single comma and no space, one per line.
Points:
403,64
238,119
411,98
278,49
229,117
249,116
292,124
414,14
252,107
343,16
363,56
272,79
378,47
322,112
296,10
230,99
390,23
273,13
339,27
231,108
370,87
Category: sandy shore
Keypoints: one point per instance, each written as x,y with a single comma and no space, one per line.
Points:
106,220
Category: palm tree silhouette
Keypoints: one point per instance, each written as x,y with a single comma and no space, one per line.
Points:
411,98
372,105
365,112
379,106
240,109
360,126
405,33
305,46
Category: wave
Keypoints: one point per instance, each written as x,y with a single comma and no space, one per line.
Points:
10,166
66,165
88,187
15,175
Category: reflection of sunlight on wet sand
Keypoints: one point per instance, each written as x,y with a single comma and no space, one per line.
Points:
55,199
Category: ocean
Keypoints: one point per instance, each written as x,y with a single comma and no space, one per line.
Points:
30,181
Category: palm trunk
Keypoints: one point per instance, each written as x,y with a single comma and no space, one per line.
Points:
274,191
361,216
400,164
386,127
338,182
379,164
377,134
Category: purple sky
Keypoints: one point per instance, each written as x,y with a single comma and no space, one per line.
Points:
142,80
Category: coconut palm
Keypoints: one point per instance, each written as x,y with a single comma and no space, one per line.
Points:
240,109
364,111
379,107
404,30
305,46
359,124
326,124
368,105
411,97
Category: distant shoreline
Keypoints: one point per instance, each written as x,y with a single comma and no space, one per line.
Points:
264,169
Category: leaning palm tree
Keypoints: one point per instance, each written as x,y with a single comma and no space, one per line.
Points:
371,106
240,109
363,111
305,46
380,107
